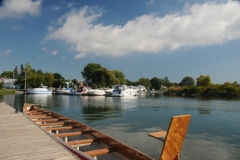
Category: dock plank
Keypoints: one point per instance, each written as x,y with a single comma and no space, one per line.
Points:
21,139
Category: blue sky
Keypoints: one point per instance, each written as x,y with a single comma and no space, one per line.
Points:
141,38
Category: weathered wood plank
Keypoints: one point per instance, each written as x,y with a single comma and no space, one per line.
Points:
21,139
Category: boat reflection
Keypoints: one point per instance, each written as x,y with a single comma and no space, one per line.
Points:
100,107
100,101
41,99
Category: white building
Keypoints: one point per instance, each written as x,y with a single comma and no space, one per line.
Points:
8,83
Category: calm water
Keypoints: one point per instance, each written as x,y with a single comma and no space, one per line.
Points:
213,134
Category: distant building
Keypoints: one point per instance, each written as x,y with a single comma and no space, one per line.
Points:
8,83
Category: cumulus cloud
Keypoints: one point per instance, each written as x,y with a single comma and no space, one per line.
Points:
44,48
80,55
205,24
18,8
54,52
5,53
50,28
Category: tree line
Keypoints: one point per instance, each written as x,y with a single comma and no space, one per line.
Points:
204,87
36,78
97,76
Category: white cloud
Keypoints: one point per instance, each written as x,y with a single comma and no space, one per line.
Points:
80,55
150,2
5,53
17,8
198,25
63,57
44,48
54,52
50,28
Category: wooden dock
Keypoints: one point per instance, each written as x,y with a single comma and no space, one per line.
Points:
21,139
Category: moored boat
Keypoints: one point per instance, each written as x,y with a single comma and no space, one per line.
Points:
123,90
64,90
96,92
108,92
83,91
72,92
39,91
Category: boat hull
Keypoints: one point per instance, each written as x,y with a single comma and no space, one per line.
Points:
39,91
96,93
120,93
109,146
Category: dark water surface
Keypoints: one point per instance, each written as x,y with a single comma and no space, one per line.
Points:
213,134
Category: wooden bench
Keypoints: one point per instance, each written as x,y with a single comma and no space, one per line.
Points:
66,135
84,141
47,125
47,120
174,137
39,117
58,129
97,152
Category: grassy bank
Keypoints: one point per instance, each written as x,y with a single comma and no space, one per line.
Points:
7,91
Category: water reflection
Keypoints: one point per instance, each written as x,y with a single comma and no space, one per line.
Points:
213,132
204,111
209,147
41,99
100,107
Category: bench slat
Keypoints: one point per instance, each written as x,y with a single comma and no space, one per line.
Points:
84,141
58,128
68,134
99,151
158,135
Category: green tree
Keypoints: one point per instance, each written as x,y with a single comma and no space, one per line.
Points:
211,89
145,82
166,82
2,86
49,79
89,73
75,82
6,74
59,81
101,77
58,76
119,77
130,83
186,81
155,83
203,80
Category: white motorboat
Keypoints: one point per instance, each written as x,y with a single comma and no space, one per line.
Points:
83,90
64,91
72,92
141,88
123,90
39,91
108,92
96,92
